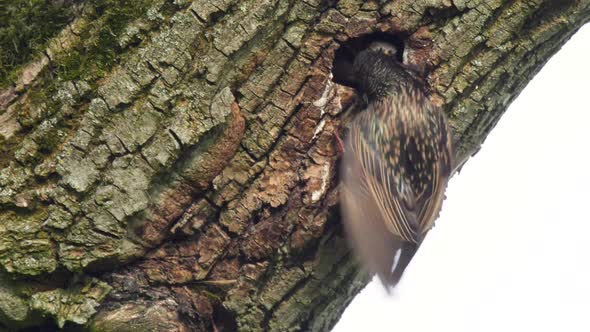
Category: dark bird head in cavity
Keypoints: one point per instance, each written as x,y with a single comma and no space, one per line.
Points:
396,164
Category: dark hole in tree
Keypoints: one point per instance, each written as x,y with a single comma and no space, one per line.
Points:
342,66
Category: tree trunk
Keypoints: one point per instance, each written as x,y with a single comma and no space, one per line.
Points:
171,165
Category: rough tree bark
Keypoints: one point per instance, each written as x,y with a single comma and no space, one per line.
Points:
173,164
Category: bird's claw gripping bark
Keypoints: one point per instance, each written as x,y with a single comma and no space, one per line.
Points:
340,142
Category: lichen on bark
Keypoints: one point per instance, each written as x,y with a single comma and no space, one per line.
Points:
75,304
172,164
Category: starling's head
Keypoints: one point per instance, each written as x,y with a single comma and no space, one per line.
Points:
384,47
378,71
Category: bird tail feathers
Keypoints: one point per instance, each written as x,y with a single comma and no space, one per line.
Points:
402,258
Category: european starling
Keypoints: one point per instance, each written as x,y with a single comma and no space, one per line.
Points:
396,164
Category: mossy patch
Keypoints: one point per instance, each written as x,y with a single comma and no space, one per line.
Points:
25,248
76,304
25,27
96,56
7,146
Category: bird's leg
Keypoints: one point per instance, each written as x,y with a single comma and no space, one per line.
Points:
339,141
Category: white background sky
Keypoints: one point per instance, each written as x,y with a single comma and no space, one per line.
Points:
511,250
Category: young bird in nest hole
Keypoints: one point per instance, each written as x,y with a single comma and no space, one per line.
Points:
396,164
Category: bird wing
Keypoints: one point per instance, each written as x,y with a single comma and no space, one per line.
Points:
400,166
365,226
432,203
369,211
375,184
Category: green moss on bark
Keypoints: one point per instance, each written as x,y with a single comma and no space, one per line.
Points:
25,28
75,304
107,21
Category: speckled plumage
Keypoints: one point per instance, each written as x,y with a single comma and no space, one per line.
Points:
396,165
